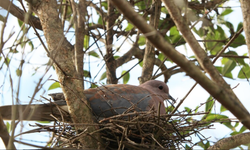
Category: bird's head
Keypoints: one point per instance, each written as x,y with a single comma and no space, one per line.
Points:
158,87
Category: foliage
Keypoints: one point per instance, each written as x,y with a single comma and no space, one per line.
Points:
111,44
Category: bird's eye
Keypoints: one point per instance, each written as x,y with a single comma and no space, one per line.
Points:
160,87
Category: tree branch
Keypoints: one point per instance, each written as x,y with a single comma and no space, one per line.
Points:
205,62
231,142
17,12
62,51
245,7
193,71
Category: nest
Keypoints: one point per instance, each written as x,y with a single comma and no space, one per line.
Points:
138,130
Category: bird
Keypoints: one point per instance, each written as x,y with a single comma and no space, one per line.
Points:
105,101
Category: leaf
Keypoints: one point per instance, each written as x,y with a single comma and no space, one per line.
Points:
105,4
222,108
141,63
103,76
226,12
116,57
229,125
244,72
187,109
100,20
209,104
94,54
228,67
161,56
215,117
240,40
8,126
44,122
86,73
7,61
242,129
18,72
86,42
125,77
142,41
129,27
20,23
54,86
240,25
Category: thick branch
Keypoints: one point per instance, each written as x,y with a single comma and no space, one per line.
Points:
17,12
79,12
193,71
231,142
245,7
4,134
204,60
62,52
110,61
149,56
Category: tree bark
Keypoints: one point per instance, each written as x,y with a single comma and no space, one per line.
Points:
62,53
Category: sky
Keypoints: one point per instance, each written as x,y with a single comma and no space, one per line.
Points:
179,84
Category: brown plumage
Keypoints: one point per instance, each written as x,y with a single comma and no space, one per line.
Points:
105,101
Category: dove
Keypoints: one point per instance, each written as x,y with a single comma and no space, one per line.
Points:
105,101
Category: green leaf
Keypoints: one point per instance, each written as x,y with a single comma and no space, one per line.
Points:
229,125
228,67
7,61
8,126
141,4
244,72
129,27
86,73
207,145
13,50
224,60
240,25
116,57
43,122
86,42
18,72
240,40
226,12
103,76
141,63
100,20
215,117
239,60
20,23
242,129
142,40
94,54
105,4
187,109
174,31
209,104
222,108
161,56
125,77
54,86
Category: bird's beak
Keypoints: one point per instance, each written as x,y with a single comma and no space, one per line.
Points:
170,97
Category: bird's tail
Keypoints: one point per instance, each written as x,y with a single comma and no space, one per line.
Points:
36,112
